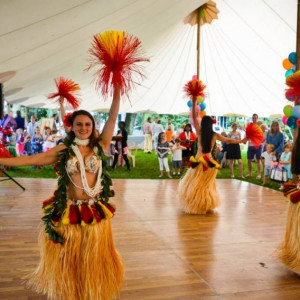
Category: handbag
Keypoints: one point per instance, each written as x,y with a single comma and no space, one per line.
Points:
279,174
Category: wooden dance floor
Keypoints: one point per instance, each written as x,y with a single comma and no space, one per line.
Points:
228,254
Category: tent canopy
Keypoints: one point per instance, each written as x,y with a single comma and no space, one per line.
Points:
241,52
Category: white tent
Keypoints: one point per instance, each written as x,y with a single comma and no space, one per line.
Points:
241,52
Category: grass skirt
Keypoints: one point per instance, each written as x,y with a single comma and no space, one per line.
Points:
289,251
86,267
197,191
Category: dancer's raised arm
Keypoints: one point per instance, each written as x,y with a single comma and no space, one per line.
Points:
109,127
196,123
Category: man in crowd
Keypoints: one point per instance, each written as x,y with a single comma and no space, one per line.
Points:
31,127
169,125
20,120
254,151
147,130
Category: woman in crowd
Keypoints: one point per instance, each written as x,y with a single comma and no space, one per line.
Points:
275,137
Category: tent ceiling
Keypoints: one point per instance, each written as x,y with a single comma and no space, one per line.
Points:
241,52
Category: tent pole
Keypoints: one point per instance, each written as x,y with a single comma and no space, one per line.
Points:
198,42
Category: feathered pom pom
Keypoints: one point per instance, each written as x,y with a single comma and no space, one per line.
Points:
254,134
67,121
117,53
194,88
86,215
4,153
74,215
67,89
293,82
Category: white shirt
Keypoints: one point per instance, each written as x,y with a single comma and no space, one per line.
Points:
177,154
268,158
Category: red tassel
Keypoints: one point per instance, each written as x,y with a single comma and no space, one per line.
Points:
56,216
67,89
48,201
194,88
96,213
4,153
100,210
110,207
295,196
254,134
74,214
117,53
86,214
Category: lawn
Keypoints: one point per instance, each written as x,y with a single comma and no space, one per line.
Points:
146,168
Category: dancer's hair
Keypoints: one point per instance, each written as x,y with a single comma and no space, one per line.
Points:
94,137
296,155
207,133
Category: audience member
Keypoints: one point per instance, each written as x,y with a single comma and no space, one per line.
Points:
20,120
275,137
147,130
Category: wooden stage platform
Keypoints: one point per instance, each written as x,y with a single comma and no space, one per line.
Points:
168,255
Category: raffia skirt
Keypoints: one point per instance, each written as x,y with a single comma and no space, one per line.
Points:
197,191
86,267
289,251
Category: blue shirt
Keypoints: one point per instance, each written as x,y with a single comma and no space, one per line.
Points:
276,140
20,122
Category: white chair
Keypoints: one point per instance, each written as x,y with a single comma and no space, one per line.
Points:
131,151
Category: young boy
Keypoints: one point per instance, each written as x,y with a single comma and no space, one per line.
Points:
177,157
269,157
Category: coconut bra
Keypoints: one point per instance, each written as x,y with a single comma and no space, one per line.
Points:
91,164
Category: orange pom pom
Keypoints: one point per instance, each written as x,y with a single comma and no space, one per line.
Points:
67,89
254,134
117,53
194,88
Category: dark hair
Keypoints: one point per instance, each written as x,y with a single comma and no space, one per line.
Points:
159,136
18,113
121,123
177,140
54,115
149,118
207,133
296,155
255,115
94,137
188,124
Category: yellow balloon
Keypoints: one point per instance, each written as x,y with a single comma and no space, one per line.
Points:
199,99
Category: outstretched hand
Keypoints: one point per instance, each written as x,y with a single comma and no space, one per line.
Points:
61,100
244,140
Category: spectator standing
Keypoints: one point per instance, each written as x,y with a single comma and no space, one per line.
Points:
257,151
177,157
169,124
286,159
234,151
37,141
49,140
163,149
32,125
268,157
275,137
157,129
54,126
20,142
180,130
20,120
169,133
147,130
187,139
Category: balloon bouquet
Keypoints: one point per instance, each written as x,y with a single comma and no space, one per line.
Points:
291,112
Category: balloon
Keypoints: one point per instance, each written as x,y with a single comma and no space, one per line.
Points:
197,108
189,103
296,111
288,110
191,114
292,122
292,57
287,64
200,99
191,121
202,113
284,119
195,77
289,72
202,106
199,120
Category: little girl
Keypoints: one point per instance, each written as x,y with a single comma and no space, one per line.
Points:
286,159
49,140
269,157
162,151
20,144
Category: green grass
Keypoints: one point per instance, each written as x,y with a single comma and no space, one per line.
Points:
146,168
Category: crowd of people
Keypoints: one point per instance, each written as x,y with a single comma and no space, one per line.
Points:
181,144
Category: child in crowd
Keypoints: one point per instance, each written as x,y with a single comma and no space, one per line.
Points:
286,159
177,157
169,133
20,144
49,139
268,157
162,151
27,147
173,140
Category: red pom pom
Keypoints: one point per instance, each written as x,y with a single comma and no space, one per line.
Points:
74,214
86,214
48,201
4,153
194,88
67,89
254,134
117,53
67,119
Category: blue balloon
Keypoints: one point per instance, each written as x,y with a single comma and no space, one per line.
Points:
202,106
289,72
189,103
292,57
292,122
296,111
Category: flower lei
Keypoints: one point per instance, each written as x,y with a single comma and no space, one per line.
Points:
54,207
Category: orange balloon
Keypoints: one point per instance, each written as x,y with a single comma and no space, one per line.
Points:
202,113
287,64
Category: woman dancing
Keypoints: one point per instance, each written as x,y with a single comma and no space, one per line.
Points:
78,256
197,190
